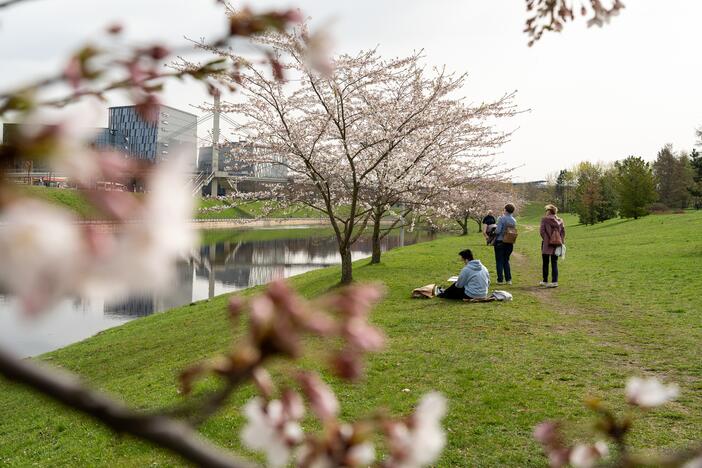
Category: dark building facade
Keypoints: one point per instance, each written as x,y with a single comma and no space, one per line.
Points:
173,132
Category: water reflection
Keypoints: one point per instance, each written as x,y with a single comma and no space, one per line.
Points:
232,263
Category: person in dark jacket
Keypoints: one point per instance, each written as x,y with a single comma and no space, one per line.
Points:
488,221
552,231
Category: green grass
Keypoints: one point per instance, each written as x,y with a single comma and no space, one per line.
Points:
75,201
252,209
628,305
71,199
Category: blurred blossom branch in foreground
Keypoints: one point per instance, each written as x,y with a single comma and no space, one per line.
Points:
552,15
615,448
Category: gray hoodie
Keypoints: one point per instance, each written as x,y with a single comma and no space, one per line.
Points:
474,279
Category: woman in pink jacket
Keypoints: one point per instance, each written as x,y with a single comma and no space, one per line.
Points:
552,235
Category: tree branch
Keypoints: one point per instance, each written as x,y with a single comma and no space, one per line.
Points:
162,431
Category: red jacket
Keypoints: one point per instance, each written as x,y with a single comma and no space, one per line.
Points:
550,223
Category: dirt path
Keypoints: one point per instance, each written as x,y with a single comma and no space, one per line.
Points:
528,277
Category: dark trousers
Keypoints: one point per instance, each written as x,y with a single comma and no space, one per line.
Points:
453,292
554,267
502,253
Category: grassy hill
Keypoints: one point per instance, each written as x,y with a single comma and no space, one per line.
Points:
76,202
68,198
628,304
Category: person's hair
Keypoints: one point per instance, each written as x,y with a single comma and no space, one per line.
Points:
509,208
466,254
551,209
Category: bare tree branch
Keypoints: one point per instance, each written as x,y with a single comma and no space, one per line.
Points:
160,430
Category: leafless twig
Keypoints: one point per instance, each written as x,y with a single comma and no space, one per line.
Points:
163,431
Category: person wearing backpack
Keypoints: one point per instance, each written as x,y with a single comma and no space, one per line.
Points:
506,235
552,236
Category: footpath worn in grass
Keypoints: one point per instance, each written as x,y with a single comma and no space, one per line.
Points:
628,305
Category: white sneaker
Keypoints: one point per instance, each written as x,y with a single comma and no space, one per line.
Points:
500,282
552,285
543,283
509,282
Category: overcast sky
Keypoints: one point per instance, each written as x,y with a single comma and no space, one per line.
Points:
595,94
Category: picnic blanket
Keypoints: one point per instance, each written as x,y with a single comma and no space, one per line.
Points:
427,292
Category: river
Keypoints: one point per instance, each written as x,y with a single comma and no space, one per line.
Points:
227,261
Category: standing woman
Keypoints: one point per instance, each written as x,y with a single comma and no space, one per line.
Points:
552,235
503,249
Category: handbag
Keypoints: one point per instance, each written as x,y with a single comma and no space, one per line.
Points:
424,292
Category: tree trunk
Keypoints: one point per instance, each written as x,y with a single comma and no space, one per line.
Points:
464,226
346,271
375,257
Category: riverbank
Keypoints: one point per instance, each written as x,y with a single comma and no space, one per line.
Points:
503,366
207,209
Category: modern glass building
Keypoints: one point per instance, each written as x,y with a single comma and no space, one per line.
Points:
171,132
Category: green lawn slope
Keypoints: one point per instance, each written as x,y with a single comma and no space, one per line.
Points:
628,304
76,202
68,198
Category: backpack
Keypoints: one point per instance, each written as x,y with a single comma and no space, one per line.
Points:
555,237
510,236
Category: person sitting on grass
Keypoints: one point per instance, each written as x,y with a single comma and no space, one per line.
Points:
473,281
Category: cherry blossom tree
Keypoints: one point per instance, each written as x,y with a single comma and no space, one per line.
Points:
450,140
466,201
361,136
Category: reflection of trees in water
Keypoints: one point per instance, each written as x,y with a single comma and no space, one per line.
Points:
140,306
132,307
250,263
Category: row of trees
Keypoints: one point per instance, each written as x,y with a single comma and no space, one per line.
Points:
631,187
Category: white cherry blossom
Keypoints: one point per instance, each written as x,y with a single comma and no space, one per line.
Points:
586,455
420,441
269,429
649,392
42,252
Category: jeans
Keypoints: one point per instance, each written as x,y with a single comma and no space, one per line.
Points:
554,267
502,253
453,292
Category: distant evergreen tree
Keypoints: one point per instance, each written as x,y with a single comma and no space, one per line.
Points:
609,201
636,187
685,176
673,176
696,188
